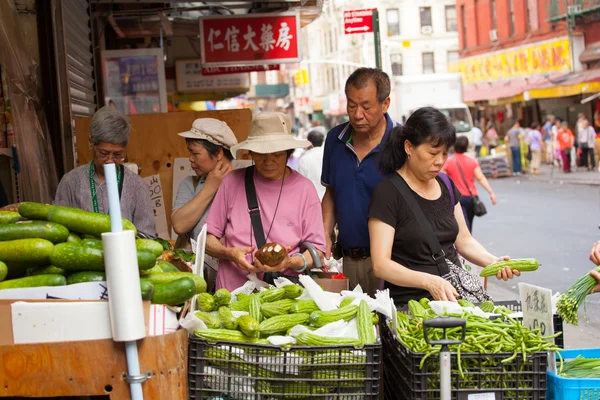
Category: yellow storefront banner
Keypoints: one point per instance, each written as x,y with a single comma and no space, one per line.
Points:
543,58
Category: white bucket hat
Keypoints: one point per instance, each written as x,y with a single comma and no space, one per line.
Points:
210,129
270,132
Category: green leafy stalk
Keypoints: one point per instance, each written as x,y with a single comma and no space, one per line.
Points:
570,301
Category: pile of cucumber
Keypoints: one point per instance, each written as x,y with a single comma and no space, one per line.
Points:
45,245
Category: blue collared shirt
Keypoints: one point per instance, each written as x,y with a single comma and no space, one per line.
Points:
352,182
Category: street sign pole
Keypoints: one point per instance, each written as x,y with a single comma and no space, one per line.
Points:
377,38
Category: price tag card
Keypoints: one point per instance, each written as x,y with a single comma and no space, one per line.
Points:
537,308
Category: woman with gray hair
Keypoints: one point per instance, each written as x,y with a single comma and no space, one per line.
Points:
85,186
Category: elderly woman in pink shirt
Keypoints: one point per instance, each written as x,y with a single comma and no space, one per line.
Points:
288,204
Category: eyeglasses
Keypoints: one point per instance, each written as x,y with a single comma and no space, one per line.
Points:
104,155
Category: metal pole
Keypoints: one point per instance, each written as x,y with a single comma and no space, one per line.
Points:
377,38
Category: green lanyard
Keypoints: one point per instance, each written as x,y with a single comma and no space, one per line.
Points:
93,185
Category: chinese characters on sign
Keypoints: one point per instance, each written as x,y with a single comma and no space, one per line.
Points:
251,39
237,70
189,78
358,21
158,205
537,308
538,59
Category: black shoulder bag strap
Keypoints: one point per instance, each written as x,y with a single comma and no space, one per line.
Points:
437,253
253,209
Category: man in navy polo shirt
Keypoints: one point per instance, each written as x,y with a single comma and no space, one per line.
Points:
351,173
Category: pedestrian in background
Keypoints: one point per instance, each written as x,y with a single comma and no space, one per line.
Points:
512,137
491,136
535,146
586,136
565,140
464,170
477,140
548,131
311,162
351,172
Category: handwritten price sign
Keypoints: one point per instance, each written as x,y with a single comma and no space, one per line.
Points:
537,308
158,204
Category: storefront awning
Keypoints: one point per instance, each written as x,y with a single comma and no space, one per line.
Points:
498,90
570,85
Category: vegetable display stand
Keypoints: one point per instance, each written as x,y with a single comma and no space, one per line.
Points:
482,373
560,388
95,367
243,371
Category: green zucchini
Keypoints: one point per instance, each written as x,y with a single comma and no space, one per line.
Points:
166,266
31,210
3,271
166,277
149,244
51,231
86,276
154,270
175,292
92,242
9,217
34,281
86,222
74,257
147,289
50,269
24,253
73,238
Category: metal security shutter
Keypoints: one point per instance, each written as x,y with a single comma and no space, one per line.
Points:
74,69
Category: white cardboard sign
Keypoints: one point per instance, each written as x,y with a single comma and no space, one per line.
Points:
537,308
158,204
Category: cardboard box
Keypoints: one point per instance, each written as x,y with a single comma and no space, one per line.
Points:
68,313
328,284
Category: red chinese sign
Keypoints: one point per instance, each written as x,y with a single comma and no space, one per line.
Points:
238,70
358,21
250,39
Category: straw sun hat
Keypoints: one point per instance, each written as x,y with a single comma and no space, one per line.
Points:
270,132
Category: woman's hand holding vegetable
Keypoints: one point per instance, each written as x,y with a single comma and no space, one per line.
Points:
440,289
506,273
238,256
287,262
596,275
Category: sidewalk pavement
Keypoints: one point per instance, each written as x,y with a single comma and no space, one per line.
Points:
552,174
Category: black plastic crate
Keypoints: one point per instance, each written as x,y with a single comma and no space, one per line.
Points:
484,373
515,305
240,371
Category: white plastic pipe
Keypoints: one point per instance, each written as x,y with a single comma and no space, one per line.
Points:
116,225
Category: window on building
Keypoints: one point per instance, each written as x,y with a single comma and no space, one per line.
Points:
425,16
463,19
428,63
393,22
493,11
396,61
527,16
450,18
511,17
452,57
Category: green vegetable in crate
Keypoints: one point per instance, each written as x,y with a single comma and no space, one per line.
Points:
50,269
227,318
333,378
3,271
322,318
273,294
9,217
211,321
82,221
570,301
465,303
174,293
75,257
242,303
86,276
254,308
487,306
519,264
51,231
223,357
310,339
364,321
425,303
166,266
304,306
416,309
220,335
23,253
222,297
375,319
292,291
166,277
151,245
346,302
34,281
206,302
581,368
279,307
249,326
73,238
299,390
147,289
281,323
502,310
